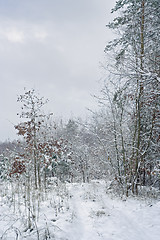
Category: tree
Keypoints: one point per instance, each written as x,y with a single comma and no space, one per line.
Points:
30,129
133,90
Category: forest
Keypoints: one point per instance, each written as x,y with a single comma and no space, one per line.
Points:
119,144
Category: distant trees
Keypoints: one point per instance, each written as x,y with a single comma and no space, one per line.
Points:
4,167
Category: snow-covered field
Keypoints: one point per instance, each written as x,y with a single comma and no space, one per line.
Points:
84,212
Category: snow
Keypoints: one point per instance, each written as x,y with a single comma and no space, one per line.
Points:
84,212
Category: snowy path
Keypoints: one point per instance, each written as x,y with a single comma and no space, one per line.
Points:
82,212
98,217
89,213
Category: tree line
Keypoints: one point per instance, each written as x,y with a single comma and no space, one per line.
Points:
120,142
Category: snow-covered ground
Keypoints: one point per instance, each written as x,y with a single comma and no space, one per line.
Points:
85,212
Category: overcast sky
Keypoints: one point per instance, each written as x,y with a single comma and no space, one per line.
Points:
54,46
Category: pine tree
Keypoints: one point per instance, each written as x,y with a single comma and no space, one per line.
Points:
135,98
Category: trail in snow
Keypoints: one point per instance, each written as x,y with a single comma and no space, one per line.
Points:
98,217
88,213
84,222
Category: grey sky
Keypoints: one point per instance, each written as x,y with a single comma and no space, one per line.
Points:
54,46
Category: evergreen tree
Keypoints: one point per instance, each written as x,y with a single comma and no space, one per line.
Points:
135,89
